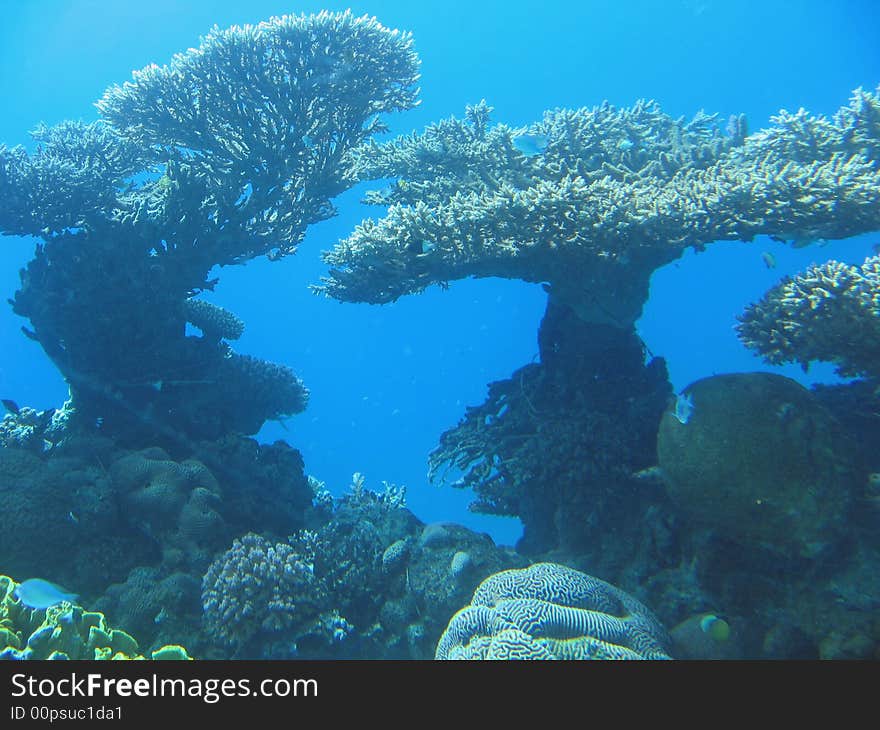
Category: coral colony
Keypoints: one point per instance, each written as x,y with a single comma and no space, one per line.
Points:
168,519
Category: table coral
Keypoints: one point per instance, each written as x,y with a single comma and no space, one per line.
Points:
616,194
228,152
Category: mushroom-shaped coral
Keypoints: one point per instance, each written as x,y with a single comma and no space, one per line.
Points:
550,611
613,195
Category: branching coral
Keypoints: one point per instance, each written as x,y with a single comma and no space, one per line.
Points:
257,587
228,152
258,120
557,442
614,195
830,312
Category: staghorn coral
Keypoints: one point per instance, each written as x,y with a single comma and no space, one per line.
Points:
260,117
64,631
227,153
830,312
615,195
550,611
76,175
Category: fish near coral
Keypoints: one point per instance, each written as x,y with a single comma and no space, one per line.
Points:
38,594
531,145
684,407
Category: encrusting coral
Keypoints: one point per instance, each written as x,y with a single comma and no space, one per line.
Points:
228,152
64,631
830,312
613,195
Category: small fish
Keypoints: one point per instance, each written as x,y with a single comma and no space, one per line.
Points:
625,144
806,240
420,248
715,626
531,145
652,474
684,407
39,593
10,406
769,259
876,249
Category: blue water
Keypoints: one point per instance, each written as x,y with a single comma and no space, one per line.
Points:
386,381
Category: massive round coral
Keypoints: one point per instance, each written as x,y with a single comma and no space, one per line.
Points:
550,611
760,461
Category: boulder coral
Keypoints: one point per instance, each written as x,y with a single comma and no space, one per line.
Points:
761,461
550,611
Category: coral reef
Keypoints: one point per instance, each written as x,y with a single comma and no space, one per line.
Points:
139,528
157,606
175,503
549,611
761,462
558,442
64,631
228,152
830,312
369,581
256,587
613,196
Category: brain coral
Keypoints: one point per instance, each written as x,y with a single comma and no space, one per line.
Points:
761,461
550,611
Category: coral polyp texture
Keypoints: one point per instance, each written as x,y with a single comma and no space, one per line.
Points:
257,587
762,462
550,611
214,321
228,152
830,313
613,195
